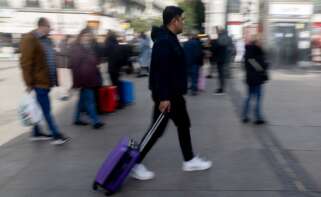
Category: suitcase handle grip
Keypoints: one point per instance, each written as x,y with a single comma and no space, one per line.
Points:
151,132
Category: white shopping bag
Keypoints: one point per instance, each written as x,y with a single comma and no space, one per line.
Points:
65,83
28,110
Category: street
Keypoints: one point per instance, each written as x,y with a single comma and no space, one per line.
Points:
279,159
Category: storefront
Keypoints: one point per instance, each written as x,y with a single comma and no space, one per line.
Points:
289,32
316,39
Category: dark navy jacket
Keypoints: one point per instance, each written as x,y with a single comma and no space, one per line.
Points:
193,52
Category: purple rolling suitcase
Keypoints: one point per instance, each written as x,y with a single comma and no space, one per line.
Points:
121,160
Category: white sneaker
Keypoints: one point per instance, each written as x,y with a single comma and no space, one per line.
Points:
196,164
140,172
40,137
60,141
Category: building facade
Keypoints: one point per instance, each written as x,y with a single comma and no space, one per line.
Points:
67,17
294,23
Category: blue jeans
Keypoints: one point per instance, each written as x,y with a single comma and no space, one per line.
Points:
194,75
42,95
87,103
253,91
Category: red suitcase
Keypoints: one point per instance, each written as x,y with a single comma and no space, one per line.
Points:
107,99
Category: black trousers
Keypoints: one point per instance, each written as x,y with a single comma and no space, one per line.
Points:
114,77
221,75
180,117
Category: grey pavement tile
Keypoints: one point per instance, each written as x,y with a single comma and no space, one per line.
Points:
210,194
298,138
22,193
310,161
13,161
240,163
155,193
295,101
232,170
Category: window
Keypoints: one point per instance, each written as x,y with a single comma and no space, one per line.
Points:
3,3
69,4
317,6
32,3
233,6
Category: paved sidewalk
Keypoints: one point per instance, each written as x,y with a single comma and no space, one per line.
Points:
248,161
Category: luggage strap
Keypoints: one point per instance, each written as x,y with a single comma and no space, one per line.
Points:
151,132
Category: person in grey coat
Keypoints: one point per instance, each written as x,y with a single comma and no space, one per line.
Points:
144,55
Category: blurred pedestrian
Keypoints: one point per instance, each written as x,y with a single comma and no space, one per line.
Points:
86,76
194,60
38,63
64,73
168,84
256,68
220,55
117,56
212,57
144,55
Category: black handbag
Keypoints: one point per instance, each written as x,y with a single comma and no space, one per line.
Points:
263,74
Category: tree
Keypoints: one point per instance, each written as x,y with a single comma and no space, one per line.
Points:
143,25
139,25
194,12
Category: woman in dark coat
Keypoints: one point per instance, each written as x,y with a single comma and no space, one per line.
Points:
86,77
117,57
256,75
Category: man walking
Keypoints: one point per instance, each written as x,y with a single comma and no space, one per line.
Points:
38,65
220,53
168,84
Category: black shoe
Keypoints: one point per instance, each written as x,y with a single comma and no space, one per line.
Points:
194,93
41,137
142,75
120,106
219,92
80,123
60,140
209,76
98,125
245,120
259,122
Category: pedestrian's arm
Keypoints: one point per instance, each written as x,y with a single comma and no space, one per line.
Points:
162,57
266,64
26,61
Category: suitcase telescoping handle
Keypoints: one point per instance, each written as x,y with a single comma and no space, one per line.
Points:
151,131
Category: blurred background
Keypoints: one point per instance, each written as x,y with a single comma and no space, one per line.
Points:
291,28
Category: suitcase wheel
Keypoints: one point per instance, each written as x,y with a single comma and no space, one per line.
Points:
95,186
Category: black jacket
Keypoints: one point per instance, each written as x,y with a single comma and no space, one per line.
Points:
221,48
254,76
117,55
168,70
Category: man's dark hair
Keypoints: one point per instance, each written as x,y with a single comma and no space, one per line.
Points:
171,12
42,22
